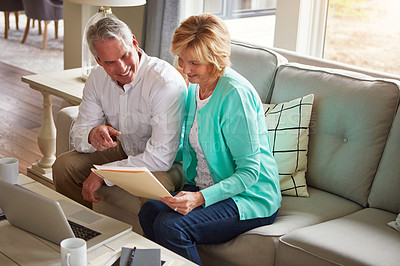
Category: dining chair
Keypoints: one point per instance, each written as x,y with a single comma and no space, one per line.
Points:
43,10
8,6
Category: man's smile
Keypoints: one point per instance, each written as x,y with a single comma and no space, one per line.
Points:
127,72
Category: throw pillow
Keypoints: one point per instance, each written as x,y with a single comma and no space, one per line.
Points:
395,224
288,128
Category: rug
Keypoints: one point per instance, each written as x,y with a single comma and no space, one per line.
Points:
29,55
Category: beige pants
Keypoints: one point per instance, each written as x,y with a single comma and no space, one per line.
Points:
72,168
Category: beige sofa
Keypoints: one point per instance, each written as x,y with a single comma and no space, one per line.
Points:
353,169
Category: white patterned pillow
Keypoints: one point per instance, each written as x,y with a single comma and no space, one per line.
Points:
288,128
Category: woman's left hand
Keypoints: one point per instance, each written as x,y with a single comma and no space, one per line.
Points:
184,202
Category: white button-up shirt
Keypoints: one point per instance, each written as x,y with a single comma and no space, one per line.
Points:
148,112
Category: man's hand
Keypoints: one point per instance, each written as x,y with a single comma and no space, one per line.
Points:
90,186
101,137
185,201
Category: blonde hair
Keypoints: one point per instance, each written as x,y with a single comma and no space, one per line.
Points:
209,38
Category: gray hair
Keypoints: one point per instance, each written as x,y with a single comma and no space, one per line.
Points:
108,28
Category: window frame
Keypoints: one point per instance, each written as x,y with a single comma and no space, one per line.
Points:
300,25
227,11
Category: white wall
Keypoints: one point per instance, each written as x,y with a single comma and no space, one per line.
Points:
286,24
300,26
75,18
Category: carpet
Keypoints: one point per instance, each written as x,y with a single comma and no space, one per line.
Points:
29,56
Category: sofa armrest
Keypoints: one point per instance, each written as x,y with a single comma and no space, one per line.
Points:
65,120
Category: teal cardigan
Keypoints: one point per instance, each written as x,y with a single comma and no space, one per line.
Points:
234,139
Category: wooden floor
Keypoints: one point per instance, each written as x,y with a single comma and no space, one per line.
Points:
21,111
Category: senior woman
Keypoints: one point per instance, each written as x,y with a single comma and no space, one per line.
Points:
232,182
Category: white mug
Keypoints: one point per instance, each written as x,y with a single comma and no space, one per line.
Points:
9,170
73,252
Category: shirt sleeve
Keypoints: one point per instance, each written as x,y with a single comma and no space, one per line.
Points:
90,115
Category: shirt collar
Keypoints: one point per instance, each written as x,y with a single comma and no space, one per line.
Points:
139,73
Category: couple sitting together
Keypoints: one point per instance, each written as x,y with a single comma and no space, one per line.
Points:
231,178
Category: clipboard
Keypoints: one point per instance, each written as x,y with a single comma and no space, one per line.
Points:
138,181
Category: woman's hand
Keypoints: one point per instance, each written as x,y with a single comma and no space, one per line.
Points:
185,201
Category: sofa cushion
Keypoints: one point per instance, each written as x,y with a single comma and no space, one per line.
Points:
244,250
287,125
259,244
298,212
261,71
351,118
361,238
65,120
385,191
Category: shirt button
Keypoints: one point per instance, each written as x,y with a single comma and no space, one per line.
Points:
345,140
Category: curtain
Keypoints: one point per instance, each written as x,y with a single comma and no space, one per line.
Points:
162,17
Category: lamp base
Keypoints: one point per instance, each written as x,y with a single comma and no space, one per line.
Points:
88,61
84,77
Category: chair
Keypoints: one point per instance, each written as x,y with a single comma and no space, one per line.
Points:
46,10
9,6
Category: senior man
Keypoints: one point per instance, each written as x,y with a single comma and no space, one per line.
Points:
131,114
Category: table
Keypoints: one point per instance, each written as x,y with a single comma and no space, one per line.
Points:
18,247
67,85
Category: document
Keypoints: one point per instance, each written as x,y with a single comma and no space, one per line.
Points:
138,181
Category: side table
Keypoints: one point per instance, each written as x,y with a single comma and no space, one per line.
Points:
67,85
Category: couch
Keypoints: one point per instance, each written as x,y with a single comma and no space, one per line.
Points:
352,167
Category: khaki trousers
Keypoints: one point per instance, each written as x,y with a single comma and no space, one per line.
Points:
72,168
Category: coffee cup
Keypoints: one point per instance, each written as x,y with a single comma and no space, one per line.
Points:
9,170
73,252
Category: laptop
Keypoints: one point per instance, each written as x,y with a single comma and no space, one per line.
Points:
54,220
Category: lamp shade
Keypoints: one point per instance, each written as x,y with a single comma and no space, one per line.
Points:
112,3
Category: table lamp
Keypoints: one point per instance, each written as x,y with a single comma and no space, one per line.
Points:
88,61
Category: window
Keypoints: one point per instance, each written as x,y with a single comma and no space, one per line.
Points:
231,9
250,21
364,33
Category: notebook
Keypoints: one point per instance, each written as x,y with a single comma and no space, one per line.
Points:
48,219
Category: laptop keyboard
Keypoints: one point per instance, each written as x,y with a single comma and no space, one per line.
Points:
82,231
